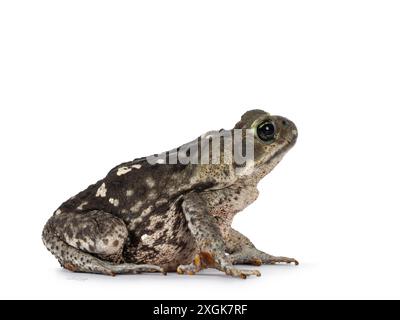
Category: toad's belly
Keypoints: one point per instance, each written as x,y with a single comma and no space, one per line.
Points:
163,240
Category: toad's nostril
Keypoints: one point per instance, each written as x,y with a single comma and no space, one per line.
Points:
284,122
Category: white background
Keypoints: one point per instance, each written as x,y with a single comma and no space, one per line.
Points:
85,85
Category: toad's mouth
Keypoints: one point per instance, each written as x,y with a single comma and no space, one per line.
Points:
279,154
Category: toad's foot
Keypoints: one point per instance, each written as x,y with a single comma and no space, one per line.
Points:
280,260
189,269
205,260
257,258
240,273
192,268
224,264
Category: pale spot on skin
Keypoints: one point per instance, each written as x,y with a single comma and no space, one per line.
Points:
129,193
161,202
82,205
114,202
160,161
58,212
152,195
102,191
134,223
123,170
138,220
150,182
171,190
147,211
136,207
144,237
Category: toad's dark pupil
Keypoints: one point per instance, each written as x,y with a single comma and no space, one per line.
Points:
266,131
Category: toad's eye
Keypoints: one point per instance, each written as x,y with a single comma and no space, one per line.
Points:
266,131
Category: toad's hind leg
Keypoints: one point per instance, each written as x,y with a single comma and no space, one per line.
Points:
90,242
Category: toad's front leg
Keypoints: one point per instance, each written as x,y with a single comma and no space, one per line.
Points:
208,239
243,251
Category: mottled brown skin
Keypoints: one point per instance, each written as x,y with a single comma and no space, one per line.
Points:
161,217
